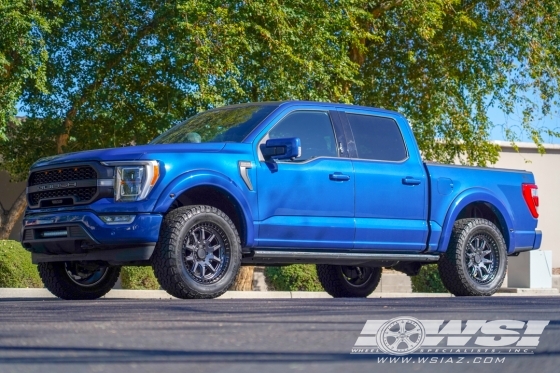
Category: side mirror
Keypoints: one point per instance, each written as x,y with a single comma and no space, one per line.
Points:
281,148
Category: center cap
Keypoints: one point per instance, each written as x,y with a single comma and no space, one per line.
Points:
477,258
201,253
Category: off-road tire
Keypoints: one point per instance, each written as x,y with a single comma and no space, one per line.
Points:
336,284
170,263
453,265
57,281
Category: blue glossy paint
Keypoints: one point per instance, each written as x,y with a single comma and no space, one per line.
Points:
143,229
324,203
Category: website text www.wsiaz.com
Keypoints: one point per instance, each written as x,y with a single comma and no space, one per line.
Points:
441,360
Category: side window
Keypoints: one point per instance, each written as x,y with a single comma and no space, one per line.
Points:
314,129
377,138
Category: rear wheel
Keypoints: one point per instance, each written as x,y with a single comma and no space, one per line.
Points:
78,280
476,260
198,253
348,281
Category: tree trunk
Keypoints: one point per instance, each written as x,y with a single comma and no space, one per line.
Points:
244,280
9,218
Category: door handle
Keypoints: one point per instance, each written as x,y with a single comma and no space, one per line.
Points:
410,181
338,176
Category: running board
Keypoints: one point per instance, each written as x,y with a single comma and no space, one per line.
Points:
348,258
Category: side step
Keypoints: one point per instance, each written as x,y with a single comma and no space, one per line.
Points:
270,257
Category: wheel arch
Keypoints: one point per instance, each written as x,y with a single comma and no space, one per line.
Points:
482,204
208,187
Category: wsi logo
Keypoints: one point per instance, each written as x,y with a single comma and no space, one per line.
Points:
406,335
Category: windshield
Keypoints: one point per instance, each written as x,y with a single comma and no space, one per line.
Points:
219,125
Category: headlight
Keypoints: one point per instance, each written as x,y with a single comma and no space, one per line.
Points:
134,179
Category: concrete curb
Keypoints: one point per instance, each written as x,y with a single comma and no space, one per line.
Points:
16,294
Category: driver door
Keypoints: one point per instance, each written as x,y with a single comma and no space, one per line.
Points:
307,202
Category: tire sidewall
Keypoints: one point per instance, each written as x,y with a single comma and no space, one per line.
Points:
233,261
492,232
57,280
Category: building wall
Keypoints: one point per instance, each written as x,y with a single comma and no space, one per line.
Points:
546,169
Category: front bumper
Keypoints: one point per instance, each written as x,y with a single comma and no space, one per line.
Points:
83,232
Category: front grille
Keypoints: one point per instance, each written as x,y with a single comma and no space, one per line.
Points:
79,194
62,174
64,186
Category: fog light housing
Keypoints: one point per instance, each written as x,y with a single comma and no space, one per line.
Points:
117,219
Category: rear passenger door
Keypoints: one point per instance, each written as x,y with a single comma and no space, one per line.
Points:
390,185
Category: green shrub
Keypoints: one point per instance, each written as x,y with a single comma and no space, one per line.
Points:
296,277
428,280
138,278
16,269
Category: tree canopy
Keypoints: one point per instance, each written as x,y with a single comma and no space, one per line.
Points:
23,53
113,72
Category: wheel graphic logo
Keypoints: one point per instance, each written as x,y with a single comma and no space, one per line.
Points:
401,336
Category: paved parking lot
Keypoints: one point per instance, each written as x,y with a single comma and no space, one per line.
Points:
244,335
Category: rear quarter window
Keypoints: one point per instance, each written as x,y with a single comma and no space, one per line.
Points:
377,138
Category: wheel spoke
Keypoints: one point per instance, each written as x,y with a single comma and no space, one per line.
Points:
390,333
215,247
209,265
194,266
402,326
211,238
416,330
408,342
479,271
215,258
195,238
203,269
396,343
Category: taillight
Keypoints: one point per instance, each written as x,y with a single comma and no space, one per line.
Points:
531,196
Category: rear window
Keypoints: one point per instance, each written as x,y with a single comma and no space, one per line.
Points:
377,138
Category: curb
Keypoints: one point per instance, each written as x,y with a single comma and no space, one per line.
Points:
29,293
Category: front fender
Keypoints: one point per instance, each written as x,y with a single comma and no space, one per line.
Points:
477,195
220,181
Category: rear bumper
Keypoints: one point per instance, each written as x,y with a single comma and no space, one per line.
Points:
83,233
538,240
527,242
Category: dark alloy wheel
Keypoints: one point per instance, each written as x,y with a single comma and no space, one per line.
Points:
348,281
78,280
476,260
198,253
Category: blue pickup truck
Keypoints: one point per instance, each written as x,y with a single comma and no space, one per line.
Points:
343,187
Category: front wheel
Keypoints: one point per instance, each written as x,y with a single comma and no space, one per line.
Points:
78,280
476,260
348,281
198,253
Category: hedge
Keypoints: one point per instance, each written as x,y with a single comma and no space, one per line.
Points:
428,280
296,277
16,269
138,278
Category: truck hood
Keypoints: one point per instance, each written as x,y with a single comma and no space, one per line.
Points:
129,153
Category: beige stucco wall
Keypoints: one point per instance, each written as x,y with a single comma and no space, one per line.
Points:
8,194
546,169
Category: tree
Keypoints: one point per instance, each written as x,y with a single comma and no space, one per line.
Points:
23,59
121,71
